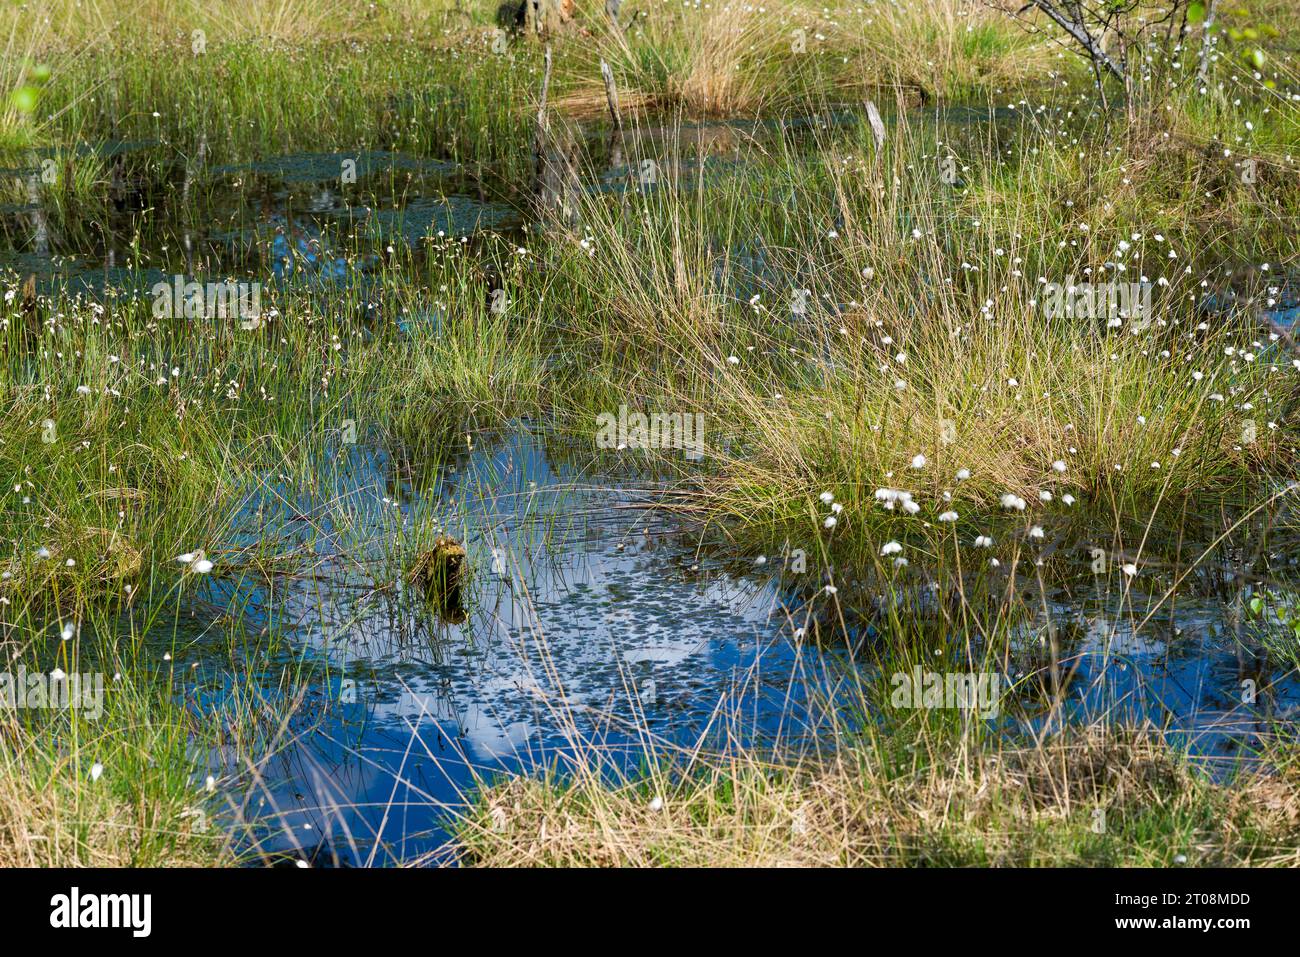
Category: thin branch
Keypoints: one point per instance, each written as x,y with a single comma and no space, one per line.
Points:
1082,37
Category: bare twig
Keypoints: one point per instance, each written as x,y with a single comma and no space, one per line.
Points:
1081,36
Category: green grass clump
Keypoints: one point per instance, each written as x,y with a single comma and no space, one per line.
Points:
1089,798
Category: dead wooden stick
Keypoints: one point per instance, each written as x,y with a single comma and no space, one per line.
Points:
1207,43
877,124
611,95
611,99
191,170
541,142
539,134
40,224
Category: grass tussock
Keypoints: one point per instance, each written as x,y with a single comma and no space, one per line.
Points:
59,827
715,61
896,332
1095,797
109,796
952,48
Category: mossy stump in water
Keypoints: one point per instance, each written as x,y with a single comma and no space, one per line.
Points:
438,574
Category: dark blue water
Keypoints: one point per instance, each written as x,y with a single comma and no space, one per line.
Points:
590,627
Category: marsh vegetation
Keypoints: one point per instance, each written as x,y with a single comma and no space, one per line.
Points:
718,433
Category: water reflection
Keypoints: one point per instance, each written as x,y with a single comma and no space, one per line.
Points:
593,623
590,625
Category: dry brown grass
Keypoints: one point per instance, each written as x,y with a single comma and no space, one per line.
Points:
1004,394
1027,806
94,22
48,818
714,62
944,46
734,58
